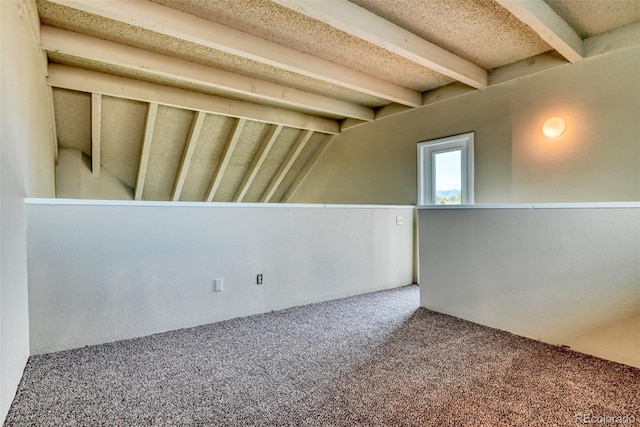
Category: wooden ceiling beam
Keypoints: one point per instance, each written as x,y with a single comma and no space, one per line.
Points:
62,76
96,130
157,65
549,26
145,150
286,165
304,173
224,160
267,143
359,22
52,119
621,38
174,23
190,148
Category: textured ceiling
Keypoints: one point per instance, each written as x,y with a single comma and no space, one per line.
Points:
480,31
288,28
234,100
592,17
107,29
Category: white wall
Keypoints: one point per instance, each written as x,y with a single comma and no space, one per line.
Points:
562,276
102,273
26,168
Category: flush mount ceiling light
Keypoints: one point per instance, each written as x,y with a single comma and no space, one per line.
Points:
554,127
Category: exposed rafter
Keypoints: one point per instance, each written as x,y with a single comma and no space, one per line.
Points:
258,160
90,81
304,173
96,129
621,38
145,150
192,141
549,26
286,165
359,22
522,69
154,64
171,22
224,160
52,124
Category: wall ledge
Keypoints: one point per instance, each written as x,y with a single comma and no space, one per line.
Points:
142,203
580,205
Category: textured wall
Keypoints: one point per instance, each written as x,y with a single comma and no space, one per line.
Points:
597,159
102,273
26,168
562,276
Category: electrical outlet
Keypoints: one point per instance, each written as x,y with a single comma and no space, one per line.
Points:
259,279
399,220
217,285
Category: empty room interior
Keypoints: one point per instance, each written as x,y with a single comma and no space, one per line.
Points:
334,212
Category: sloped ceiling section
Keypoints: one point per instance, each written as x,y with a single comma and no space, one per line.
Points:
168,153
235,100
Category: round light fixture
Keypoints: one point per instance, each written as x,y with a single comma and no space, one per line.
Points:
554,127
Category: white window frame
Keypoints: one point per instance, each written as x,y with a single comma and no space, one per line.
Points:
426,154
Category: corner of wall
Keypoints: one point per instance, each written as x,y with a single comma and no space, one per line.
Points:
74,179
26,169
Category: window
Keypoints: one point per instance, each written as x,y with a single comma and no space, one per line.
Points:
445,170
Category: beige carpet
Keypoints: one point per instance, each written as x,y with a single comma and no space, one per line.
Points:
370,360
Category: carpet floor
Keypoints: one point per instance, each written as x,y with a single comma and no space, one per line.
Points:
370,360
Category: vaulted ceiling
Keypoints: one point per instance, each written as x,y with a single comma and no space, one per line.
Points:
234,100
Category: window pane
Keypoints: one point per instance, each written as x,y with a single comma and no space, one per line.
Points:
447,167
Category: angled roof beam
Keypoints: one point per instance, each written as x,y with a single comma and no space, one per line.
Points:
224,160
52,122
65,77
106,52
549,26
267,143
304,173
180,25
359,22
286,165
145,150
192,141
96,128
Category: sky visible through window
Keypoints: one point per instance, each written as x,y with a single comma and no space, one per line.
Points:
448,176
